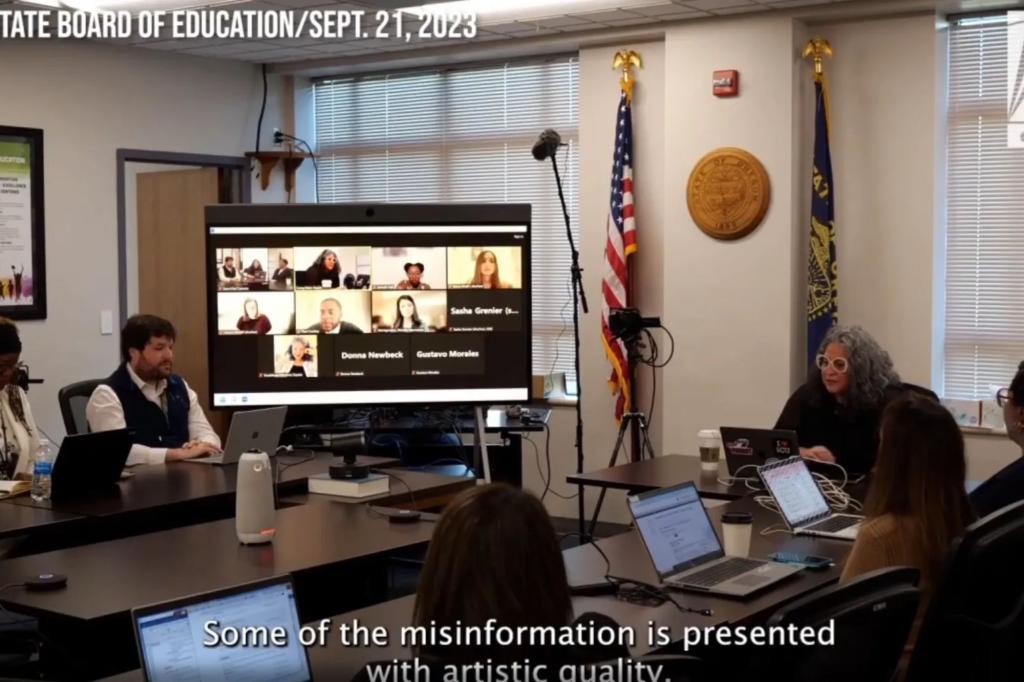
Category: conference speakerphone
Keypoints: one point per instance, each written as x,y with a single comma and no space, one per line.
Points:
339,304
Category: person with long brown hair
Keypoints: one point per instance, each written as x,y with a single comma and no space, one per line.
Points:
486,274
917,504
494,555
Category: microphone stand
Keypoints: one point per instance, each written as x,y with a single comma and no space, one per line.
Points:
579,298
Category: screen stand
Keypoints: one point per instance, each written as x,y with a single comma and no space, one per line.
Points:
482,462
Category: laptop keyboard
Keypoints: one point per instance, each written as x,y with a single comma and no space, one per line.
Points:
721,572
834,524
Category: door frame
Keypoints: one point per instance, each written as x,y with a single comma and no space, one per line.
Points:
126,156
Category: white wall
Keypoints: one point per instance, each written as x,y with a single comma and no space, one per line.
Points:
737,308
883,160
90,100
732,307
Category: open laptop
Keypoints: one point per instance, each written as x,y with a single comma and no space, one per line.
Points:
751,448
802,504
90,462
252,429
745,447
685,548
170,636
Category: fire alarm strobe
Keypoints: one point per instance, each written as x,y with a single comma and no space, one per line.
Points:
725,83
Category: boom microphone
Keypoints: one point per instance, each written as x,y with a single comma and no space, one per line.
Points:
547,144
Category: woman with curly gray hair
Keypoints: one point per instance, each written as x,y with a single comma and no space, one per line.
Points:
837,413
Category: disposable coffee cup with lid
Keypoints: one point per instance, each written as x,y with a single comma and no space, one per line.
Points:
736,531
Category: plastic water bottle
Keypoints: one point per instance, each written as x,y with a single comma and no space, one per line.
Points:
42,469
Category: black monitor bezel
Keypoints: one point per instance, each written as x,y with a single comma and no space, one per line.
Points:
366,214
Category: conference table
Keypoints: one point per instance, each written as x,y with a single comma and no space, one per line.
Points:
153,497
337,554
661,472
585,565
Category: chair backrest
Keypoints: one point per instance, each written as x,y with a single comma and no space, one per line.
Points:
1002,489
872,617
73,399
921,390
975,622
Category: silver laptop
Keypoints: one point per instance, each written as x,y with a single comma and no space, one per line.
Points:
252,429
685,548
802,504
171,637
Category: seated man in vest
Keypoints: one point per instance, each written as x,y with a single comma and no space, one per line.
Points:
144,396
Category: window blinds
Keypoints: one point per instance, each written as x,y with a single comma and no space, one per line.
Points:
465,135
984,325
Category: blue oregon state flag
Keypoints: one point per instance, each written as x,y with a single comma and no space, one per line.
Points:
822,283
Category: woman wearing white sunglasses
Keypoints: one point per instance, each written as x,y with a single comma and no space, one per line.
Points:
837,413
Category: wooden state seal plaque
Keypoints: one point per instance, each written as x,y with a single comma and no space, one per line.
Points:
728,193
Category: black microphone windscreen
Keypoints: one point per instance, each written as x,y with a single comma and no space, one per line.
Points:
546,144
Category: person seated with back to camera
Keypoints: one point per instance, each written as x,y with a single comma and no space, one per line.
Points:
495,555
145,396
1007,485
20,434
837,412
917,504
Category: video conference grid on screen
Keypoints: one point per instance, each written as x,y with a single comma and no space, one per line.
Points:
369,314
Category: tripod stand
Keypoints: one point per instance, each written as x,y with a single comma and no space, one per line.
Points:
635,418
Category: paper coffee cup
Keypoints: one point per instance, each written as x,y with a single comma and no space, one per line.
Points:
710,443
736,529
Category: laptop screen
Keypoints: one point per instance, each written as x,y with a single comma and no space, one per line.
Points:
171,640
675,528
798,496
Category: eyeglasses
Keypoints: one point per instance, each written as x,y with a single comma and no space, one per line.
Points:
838,364
9,369
1003,396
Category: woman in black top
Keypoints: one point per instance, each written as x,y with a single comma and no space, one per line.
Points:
837,413
1007,485
325,268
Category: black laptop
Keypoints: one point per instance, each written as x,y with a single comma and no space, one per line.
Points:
90,462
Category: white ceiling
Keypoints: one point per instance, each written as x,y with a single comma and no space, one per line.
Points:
514,25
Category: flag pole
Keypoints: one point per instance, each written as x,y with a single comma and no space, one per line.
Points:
626,60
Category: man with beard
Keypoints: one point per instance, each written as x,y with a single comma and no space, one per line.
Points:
145,396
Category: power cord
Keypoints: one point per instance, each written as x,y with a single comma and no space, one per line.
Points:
736,479
389,474
288,465
546,479
645,594
279,136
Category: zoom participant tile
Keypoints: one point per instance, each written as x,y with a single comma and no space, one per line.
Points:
371,355
485,310
447,354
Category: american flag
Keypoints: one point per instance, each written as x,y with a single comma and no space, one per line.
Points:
621,243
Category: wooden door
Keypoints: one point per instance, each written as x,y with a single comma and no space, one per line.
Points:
172,277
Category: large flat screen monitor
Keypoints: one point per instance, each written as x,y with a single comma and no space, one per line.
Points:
341,304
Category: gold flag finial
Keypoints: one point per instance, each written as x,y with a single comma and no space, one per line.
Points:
818,48
626,60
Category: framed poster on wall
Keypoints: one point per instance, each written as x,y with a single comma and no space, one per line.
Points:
22,257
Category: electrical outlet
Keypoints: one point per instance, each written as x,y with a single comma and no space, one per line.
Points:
278,138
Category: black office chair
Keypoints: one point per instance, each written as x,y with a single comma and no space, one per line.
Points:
974,626
1002,489
921,390
873,615
73,399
